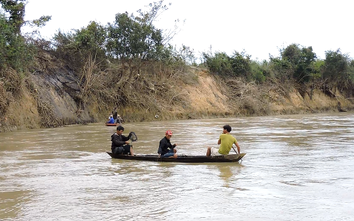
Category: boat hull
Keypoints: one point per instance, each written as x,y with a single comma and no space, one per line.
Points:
182,158
107,124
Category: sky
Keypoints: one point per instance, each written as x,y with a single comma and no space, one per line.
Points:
259,27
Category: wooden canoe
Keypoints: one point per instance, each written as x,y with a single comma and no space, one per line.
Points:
108,124
182,158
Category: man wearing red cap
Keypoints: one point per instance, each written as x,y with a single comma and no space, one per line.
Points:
166,149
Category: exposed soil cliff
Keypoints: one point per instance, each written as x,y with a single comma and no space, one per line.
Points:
52,97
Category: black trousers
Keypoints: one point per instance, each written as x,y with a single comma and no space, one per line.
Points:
122,149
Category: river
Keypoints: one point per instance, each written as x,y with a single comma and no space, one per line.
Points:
297,167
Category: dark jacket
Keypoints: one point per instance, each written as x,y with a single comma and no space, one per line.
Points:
165,146
115,115
118,140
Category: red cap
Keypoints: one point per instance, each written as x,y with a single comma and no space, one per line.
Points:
169,132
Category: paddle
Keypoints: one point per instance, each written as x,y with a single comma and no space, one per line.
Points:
234,148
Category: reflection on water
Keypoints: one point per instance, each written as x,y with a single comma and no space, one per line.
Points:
226,174
296,168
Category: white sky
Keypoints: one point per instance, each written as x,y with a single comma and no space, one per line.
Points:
260,27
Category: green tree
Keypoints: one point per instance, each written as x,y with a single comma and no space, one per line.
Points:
281,69
15,52
300,61
337,69
6,31
304,71
64,46
241,65
92,38
12,46
16,9
351,72
292,53
259,71
75,47
219,63
294,64
133,37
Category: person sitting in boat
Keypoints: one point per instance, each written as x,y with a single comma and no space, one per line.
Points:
166,149
226,140
120,143
119,119
110,120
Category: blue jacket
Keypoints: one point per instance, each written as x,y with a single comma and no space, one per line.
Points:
111,120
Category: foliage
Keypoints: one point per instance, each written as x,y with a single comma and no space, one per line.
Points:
259,71
185,54
6,31
136,37
13,50
219,63
317,67
41,21
77,46
281,69
91,38
296,62
133,37
156,9
338,69
129,39
16,9
351,71
240,63
64,46
116,55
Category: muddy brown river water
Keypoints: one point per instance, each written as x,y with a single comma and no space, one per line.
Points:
297,167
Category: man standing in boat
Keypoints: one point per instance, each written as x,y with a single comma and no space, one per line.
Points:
226,140
166,149
120,143
115,113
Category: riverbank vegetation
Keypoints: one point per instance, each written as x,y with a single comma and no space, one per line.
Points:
80,76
